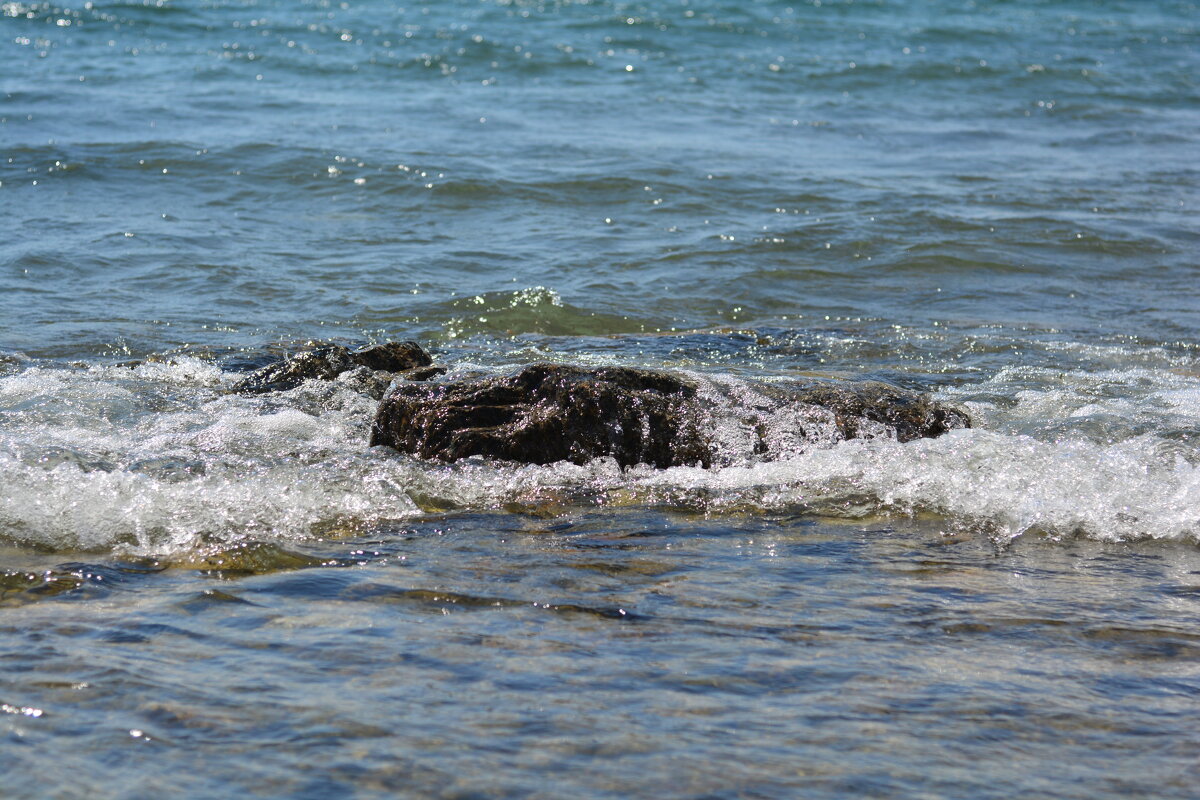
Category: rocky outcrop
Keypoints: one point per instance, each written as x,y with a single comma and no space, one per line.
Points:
547,412
369,369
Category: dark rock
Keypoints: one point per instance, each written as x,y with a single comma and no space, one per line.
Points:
422,373
329,361
392,356
547,413
325,363
908,414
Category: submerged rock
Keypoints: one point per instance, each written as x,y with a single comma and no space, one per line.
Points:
903,414
372,383
372,368
548,412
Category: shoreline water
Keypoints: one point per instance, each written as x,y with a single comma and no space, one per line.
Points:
150,457
865,658
204,593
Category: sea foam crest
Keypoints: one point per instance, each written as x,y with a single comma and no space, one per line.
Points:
1001,485
163,459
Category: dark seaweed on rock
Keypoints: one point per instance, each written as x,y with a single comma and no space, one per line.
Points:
329,361
547,413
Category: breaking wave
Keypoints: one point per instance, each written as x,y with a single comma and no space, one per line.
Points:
160,458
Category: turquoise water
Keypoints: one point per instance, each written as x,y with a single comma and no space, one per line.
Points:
204,593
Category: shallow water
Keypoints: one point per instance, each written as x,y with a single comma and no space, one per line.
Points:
611,653
203,592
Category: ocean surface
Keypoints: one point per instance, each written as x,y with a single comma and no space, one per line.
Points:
205,594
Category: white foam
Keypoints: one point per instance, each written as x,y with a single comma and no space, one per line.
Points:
162,459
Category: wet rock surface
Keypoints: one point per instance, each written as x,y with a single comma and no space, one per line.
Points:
903,414
392,356
547,412
368,369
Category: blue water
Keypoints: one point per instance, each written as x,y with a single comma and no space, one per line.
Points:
738,165
995,202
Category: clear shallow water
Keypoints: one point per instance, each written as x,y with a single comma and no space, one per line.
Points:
992,202
629,653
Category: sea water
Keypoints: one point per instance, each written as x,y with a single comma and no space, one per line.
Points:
205,594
